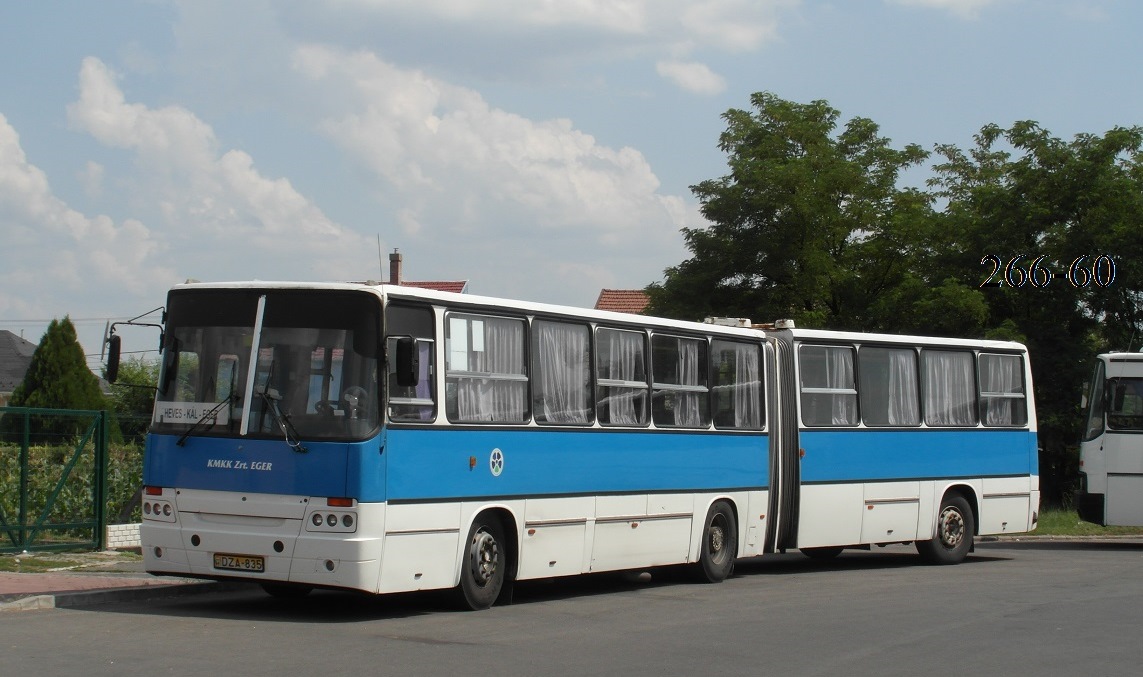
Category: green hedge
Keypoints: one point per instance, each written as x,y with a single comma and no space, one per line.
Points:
74,500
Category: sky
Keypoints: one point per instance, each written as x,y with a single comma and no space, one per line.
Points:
539,149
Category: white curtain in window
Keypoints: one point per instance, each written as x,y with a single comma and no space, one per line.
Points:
747,393
839,375
563,382
949,388
497,351
687,408
625,361
903,401
999,374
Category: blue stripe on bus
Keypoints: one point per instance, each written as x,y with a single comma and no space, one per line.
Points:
416,464
255,465
876,455
446,464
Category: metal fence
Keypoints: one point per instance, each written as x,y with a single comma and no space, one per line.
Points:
64,474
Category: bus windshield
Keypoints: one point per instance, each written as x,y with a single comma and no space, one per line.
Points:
1125,404
314,355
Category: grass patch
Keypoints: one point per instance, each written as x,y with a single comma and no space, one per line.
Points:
1067,523
40,562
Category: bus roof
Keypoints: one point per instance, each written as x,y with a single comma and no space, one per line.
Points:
489,303
1121,357
862,337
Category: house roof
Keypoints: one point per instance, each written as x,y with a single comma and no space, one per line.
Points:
457,287
622,300
15,358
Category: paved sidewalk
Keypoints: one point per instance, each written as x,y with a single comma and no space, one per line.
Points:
97,578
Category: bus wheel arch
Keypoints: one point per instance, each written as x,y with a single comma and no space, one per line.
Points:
718,544
488,560
954,528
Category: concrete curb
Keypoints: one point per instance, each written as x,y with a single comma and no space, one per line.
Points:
87,598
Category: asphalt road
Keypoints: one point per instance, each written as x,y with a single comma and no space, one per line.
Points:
1014,608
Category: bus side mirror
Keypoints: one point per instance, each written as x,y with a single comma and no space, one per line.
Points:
408,362
114,348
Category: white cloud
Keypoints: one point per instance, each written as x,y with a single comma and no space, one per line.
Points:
691,76
226,217
442,142
53,253
966,9
625,16
91,178
467,172
722,24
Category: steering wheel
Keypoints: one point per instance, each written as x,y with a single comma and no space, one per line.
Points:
324,407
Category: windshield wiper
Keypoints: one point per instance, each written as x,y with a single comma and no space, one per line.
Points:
271,398
210,414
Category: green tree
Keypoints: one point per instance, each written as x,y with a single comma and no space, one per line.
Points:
1021,194
133,397
58,377
133,392
809,224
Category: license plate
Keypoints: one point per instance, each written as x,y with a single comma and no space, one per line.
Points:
251,563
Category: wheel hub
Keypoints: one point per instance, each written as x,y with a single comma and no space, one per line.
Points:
483,554
717,539
951,528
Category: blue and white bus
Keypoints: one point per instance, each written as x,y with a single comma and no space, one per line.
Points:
1111,451
387,439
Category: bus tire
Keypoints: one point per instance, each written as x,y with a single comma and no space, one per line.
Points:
485,562
954,531
719,547
286,591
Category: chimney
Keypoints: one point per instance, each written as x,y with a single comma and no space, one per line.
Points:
395,267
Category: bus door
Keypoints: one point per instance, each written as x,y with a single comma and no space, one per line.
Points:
785,476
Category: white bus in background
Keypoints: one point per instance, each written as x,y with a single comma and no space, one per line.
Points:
1111,452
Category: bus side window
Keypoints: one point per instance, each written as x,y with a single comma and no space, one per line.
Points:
485,370
888,388
1002,398
949,388
415,403
621,377
561,373
737,385
1096,400
679,396
829,392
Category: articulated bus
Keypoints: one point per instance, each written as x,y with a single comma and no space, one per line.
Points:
1111,451
386,439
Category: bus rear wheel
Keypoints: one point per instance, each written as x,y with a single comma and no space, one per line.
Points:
719,546
485,561
952,540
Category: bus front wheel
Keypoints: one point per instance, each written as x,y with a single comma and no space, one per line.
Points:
485,560
719,546
953,538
